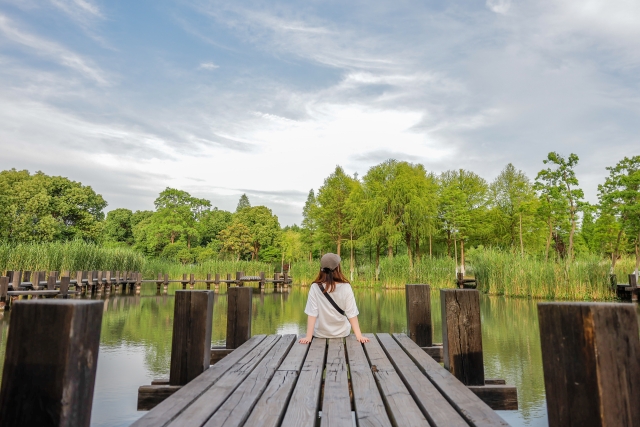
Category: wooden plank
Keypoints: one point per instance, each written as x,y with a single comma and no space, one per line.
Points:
474,410
433,405
401,408
217,354
269,410
305,400
191,342
206,404
235,411
34,293
149,396
499,397
50,363
369,407
418,300
437,353
336,404
173,406
462,335
238,316
591,362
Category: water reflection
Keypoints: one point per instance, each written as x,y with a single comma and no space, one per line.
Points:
136,342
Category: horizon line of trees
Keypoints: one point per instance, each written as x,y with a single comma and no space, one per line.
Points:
396,208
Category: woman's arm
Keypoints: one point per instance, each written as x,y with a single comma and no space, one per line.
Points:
311,324
356,330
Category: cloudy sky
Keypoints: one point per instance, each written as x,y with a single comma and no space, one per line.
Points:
267,97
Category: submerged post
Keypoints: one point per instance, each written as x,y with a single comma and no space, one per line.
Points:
50,363
191,344
419,326
462,335
591,362
238,316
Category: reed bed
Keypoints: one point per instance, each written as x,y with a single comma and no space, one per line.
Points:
72,256
176,270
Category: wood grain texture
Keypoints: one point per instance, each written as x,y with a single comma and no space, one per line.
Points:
206,404
462,335
50,363
472,409
169,409
499,397
270,409
191,341
236,409
336,404
419,329
591,362
436,352
369,407
238,316
217,354
149,396
305,400
433,405
401,408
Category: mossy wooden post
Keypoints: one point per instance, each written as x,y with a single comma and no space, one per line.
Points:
419,327
238,316
4,297
216,283
192,280
184,281
591,362
462,335
208,281
50,363
191,343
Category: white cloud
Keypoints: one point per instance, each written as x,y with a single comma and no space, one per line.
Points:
208,66
499,6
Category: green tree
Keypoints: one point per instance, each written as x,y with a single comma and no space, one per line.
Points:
117,226
309,223
236,239
243,203
333,215
263,227
211,224
620,197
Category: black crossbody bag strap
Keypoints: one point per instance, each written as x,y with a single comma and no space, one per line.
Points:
333,303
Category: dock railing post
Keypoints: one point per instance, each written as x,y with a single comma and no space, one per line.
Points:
50,363
591,363
208,281
138,284
165,287
191,344
419,326
216,284
633,284
4,297
238,276
184,281
192,280
262,282
238,316
462,335
64,287
158,283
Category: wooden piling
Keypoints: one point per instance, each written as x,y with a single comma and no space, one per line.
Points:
4,297
419,326
184,281
159,282
50,363
262,281
192,280
591,362
165,287
191,345
51,280
208,281
462,335
64,287
216,284
16,279
633,283
238,276
238,316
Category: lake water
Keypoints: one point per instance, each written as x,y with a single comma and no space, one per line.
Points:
136,342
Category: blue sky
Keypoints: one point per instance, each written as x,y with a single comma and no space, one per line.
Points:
220,98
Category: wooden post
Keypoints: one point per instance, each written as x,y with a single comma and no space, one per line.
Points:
262,281
79,280
64,287
107,282
192,280
238,316
99,282
50,364
26,276
16,279
591,362
633,284
4,298
51,280
419,327
462,335
165,287
138,282
208,281
191,345
238,276
216,284
285,280
184,281
159,282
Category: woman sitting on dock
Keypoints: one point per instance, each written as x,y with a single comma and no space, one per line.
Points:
329,292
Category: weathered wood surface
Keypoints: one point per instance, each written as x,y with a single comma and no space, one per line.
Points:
336,406
432,404
238,316
474,410
462,335
591,362
369,407
191,341
149,396
303,406
402,409
50,363
500,397
219,353
436,352
418,300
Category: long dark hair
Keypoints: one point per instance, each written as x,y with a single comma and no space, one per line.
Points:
329,278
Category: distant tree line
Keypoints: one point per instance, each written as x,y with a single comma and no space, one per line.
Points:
396,208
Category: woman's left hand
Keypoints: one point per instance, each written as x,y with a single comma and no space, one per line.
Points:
362,339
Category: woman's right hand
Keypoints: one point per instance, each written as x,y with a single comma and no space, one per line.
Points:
305,340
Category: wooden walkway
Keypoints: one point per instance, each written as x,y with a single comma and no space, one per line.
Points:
272,380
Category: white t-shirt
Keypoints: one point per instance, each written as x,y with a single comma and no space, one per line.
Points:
330,323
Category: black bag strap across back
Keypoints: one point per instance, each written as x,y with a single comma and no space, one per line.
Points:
333,303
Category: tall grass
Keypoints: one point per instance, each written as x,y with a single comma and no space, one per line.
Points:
586,278
176,270
72,256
